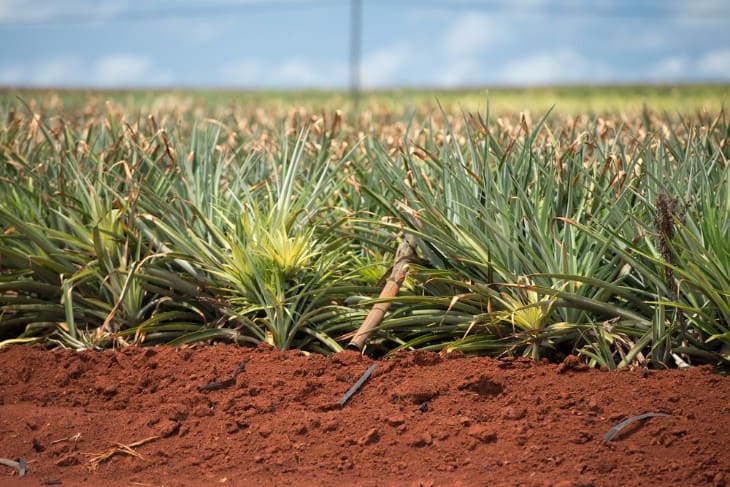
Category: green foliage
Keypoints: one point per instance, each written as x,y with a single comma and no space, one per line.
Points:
602,236
545,237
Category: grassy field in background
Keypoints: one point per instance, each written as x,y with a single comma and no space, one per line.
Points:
587,220
567,99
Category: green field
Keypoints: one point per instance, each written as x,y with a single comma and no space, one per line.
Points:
586,220
567,99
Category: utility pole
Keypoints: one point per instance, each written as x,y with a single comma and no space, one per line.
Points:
355,47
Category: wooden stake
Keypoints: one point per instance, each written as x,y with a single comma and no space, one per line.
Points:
406,254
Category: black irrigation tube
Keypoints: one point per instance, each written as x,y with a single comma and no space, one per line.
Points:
617,429
357,385
213,386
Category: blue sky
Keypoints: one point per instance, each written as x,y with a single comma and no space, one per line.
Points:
305,43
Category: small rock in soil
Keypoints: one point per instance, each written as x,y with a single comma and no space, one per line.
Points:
167,428
300,428
68,461
202,410
594,407
372,436
37,446
421,440
395,420
483,386
465,420
483,433
512,414
572,362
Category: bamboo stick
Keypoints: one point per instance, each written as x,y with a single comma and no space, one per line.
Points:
405,255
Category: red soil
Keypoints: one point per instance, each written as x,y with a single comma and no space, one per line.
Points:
420,419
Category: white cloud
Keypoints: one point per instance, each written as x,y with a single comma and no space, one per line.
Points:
531,3
715,64
706,8
299,73
64,69
558,66
710,66
199,30
244,72
459,72
123,69
699,16
12,75
569,66
11,10
435,46
45,10
102,11
116,70
8,8
670,68
648,38
463,45
290,73
382,67
470,33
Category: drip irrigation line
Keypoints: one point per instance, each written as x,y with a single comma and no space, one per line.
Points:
224,383
617,429
357,385
19,465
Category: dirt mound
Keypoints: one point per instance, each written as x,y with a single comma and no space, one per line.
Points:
182,417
